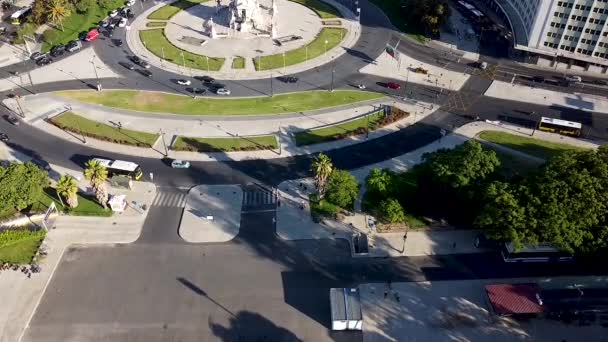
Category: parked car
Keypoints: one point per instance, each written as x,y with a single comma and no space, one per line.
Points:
361,86
117,42
222,91
600,82
144,65
573,79
539,79
41,164
37,55
4,137
113,13
127,65
44,61
393,85
58,50
92,35
104,23
180,164
73,46
12,119
290,79
130,2
145,72
483,65
184,82
140,62
130,14
123,22
197,91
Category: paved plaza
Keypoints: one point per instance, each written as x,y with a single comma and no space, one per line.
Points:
212,213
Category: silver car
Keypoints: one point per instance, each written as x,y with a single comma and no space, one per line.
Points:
180,164
222,91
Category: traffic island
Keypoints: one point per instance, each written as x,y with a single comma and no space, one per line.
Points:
212,213
157,102
79,125
228,144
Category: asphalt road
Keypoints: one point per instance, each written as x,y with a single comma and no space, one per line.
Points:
254,288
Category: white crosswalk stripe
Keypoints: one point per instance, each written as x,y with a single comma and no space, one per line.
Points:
169,199
257,198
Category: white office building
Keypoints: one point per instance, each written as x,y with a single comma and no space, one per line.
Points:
564,33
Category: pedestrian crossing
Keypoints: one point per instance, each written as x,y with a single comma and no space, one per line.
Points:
258,198
169,199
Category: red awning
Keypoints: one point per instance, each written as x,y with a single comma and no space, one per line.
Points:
510,299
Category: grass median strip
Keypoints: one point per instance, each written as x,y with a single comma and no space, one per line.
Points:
168,11
535,147
156,102
23,249
79,125
323,10
87,205
332,35
252,143
347,129
156,41
156,24
76,22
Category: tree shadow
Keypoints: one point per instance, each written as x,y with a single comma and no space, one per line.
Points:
251,326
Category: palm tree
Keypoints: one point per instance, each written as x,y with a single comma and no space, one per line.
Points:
58,10
322,168
68,188
97,174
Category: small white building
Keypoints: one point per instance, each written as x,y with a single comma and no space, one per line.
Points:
345,309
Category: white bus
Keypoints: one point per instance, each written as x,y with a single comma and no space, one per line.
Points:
543,252
121,168
560,126
21,15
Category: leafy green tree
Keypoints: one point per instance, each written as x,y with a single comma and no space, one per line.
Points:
342,189
391,211
21,185
428,15
68,188
322,168
462,166
97,174
381,182
39,11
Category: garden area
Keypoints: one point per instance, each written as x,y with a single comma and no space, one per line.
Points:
350,128
416,18
168,11
332,35
19,246
244,143
156,42
539,148
82,126
156,102
323,9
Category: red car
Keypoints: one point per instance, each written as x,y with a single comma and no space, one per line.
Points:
393,85
92,35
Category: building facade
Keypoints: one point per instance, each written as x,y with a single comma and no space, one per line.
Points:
573,32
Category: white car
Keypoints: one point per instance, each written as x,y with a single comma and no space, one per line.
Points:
123,22
222,91
574,79
130,2
184,82
180,164
361,86
113,13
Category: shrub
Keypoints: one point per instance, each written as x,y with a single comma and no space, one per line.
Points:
391,211
342,189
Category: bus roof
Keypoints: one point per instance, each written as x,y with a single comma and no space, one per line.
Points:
117,164
20,12
559,122
541,247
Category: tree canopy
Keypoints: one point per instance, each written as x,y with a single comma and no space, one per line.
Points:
342,189
565,203
21,185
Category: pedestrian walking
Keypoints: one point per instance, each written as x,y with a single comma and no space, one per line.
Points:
385,294
454,245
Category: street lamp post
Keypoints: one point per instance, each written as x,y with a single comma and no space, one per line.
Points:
162,134
283,62
306,48
96,75
184,60
326,46
207,63
162,50
271,87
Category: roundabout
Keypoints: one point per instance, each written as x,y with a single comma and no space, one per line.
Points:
221,40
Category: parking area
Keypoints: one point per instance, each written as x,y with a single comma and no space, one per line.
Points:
458,311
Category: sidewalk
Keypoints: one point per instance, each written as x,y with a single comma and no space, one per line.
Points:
78,66
136,45
21,295
41,106
520,93
294,221
404,70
